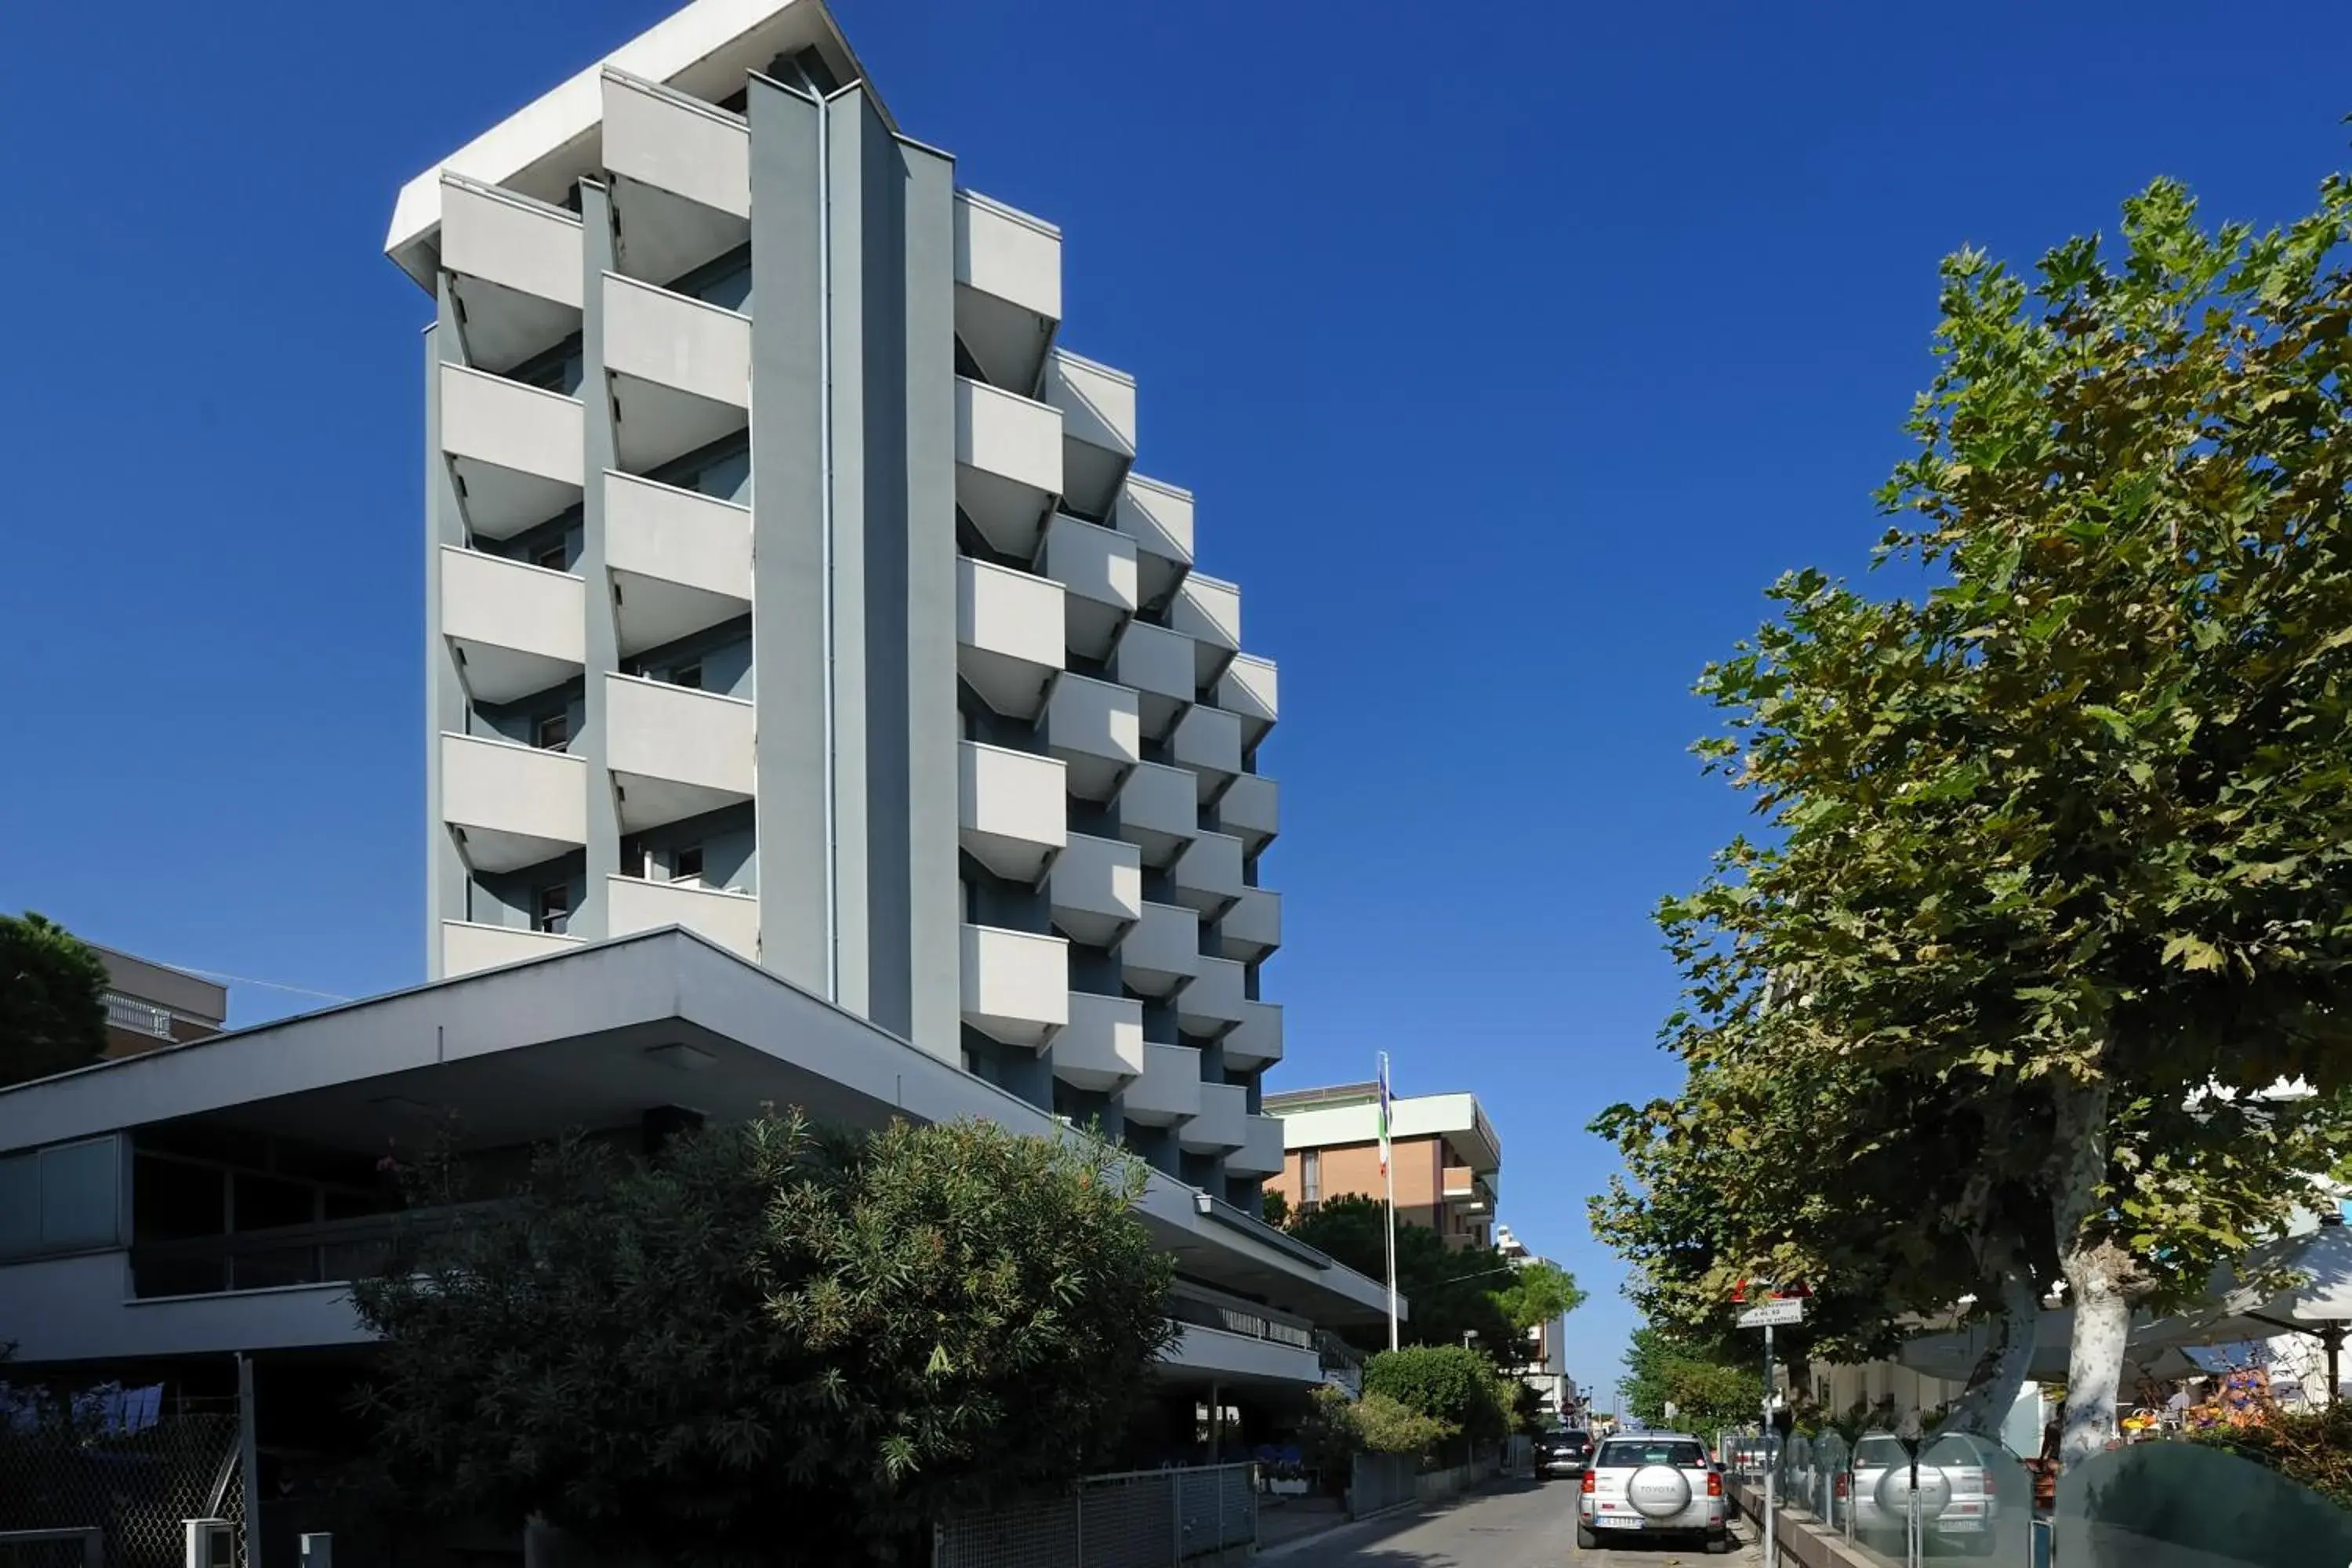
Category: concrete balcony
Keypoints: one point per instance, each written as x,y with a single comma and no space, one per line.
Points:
674,753
1016,986
1008,635
467,946
681,560
1013,809
1260,1152
1168,1089
1250,929
1209,611
1008,297
1101,1048
1095,567
1161,951
727,918
681,177
512,805
515,628
1159,811
1251,810
1209,742
1220,1124
1008,465
681,372
517,451
1208,874
1256,1040
1098,406
515,267
1247,690
1158,663
1093,728
1213,1003
1095,890
1158,517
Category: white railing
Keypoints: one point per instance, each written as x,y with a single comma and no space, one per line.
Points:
138,1017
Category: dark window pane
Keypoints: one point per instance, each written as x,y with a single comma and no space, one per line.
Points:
171,1200
264,1203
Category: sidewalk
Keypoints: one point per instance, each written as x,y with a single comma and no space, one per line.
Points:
1294,1518
1331,1526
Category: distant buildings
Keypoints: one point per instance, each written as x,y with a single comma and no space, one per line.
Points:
1546,1367
150,1004
1445,1153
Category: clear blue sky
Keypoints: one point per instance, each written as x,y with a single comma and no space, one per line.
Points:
1511,348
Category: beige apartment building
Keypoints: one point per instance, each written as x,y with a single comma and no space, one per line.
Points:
1447,1158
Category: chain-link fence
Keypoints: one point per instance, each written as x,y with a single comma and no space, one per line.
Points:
137,1487
1143,1518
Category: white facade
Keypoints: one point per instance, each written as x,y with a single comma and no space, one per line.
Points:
103,1259
791,581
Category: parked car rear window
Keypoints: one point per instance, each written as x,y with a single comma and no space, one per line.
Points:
1878,1453
1625,1455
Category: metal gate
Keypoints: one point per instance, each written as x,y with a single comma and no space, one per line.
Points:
134,1488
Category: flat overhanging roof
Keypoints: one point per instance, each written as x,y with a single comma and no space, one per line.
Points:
704,49
593,1037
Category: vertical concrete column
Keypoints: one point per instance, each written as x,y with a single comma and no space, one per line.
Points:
791,477
933,915
604,858
447,883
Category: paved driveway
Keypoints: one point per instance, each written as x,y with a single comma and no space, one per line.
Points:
1517,1525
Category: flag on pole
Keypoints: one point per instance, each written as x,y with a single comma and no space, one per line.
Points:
1384,1113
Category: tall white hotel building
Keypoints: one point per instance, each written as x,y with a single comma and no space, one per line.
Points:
789,581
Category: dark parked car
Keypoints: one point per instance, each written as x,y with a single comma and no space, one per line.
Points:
1563,1451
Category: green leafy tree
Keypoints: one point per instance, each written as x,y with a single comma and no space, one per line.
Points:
52,1000
1784,1166
2065,833
1537,1292
1274,1208
1705,1392
853,1334
1450,1289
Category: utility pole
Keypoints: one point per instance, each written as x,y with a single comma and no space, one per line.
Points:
1771,1311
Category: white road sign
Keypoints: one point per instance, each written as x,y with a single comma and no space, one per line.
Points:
1774,1314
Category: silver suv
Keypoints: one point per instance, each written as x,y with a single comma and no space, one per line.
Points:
1653,1484
1957,1504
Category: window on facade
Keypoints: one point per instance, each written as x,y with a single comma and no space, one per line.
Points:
685,864
688,675
1311,1177
551,557
552,734
64,1199
551,910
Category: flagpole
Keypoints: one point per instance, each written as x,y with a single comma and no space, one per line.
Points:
1387,1175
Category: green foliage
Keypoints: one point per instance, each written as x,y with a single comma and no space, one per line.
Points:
1330,1436
1274,1208
1389,1425
1449,1289
1537,1292
854,1334
2060,838
1450,1384
52,1000
1705,1393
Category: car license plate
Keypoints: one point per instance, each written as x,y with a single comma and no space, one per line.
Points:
1617,1522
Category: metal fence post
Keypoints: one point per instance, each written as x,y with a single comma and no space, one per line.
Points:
1176,1518
1078,1522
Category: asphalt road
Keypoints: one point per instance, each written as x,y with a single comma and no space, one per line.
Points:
1517,1525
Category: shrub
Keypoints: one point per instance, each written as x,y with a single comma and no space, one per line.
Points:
1450,1383
2313,1448
1388,1426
